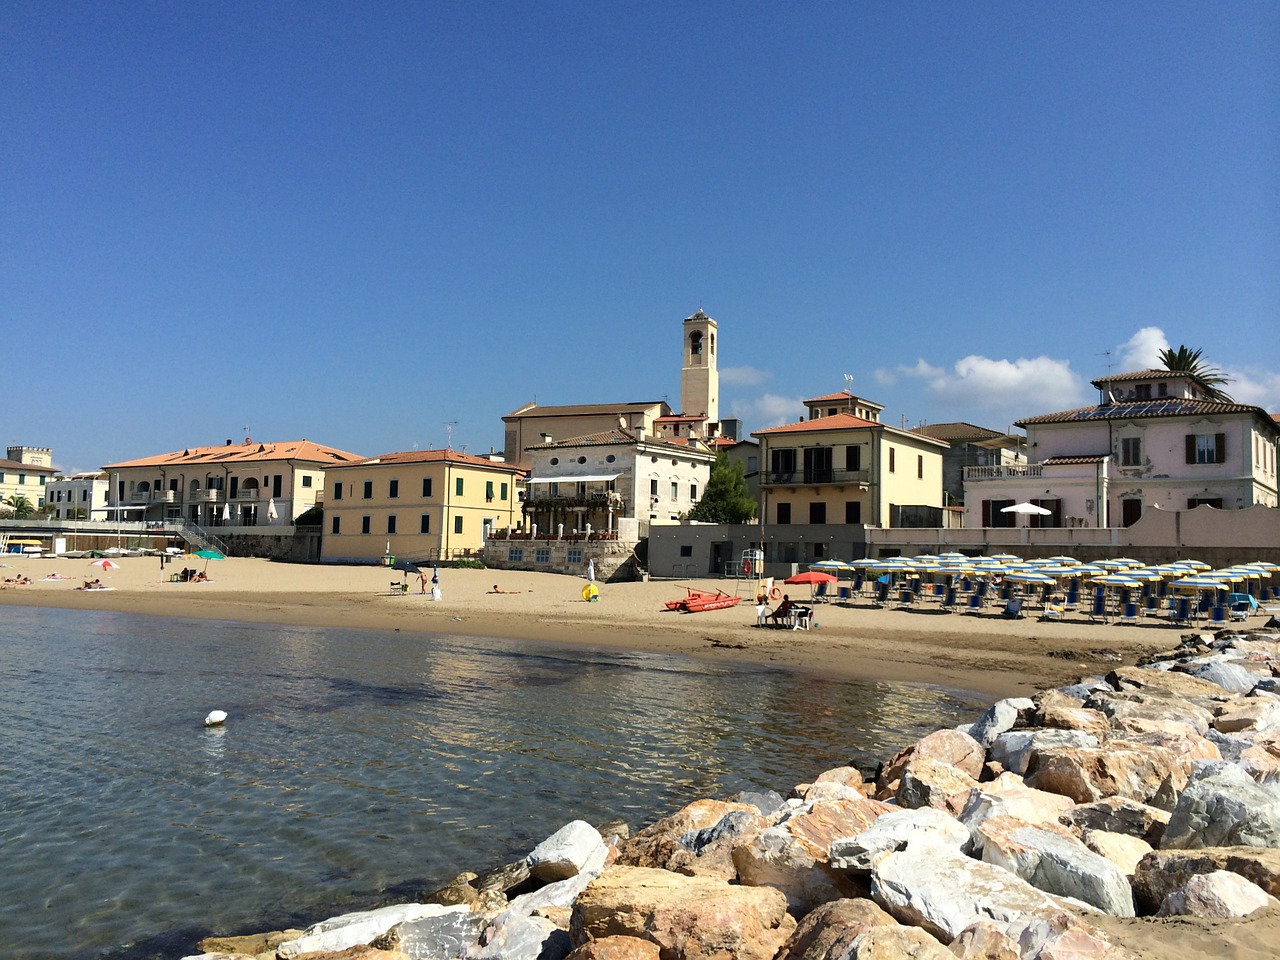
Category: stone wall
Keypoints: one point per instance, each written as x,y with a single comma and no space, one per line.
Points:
613,559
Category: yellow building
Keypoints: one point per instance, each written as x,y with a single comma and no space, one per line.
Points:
246,484
843,466
24,473
418,505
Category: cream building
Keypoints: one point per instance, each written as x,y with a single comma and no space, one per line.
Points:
25,472
843,466
419,505
237,484
81,496
1151,441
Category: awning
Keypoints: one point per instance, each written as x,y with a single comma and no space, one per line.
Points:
576,478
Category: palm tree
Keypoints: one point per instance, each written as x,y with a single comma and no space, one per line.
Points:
1192,365
21,507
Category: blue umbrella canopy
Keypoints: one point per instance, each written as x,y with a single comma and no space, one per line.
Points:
408,566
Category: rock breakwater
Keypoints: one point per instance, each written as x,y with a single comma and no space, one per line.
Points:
1152,791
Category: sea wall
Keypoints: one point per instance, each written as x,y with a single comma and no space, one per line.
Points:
1152,791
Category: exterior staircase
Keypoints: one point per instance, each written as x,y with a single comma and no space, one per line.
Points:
197,536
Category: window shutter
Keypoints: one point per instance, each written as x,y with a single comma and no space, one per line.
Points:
1220,448
1191,448
986,513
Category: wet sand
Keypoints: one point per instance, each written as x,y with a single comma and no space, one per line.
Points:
983,653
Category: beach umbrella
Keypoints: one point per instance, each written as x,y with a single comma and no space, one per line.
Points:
1029,576
1063,559
226,512
952,556
407,566
1117,580
591,570
811,577
1005,558
835,567
271,509
1198,583
207,555
105,564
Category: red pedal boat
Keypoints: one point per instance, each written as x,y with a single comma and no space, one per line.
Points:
699,600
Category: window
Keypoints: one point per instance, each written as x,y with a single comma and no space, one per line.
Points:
675,490
393,489
457,524
391,523
817,465
1130,451
515,554
306,480
1206,448
1215,502
853,511
337,525
426,487
686,549
457,487
1163,391
1142,391
424,523
818,512
488,491
892,459
693,493
853,458
582,490
364,524
337,491
574,556
653,488
277,482
919,466
368,489
542,555
782,464
783,511
753,464
993,515
502,492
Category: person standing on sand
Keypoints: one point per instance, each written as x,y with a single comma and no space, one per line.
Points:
422,581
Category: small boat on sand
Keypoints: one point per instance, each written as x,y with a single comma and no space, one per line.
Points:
699,600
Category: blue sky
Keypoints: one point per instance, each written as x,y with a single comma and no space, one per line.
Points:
357,223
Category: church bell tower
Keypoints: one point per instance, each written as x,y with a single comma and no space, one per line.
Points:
699,378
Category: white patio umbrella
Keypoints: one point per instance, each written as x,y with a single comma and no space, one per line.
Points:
226,512
271,509
1027,510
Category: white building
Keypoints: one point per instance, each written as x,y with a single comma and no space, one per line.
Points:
81,496
1151,440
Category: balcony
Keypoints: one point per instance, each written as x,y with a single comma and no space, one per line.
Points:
814,477
163,496
205,496
1008,471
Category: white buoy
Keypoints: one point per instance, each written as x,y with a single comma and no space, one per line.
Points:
215,719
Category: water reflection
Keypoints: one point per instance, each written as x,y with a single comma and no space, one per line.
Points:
355,763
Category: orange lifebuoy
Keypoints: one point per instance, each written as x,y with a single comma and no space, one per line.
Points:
775,594
748,568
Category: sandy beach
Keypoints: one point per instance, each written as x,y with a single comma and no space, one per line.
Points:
983,653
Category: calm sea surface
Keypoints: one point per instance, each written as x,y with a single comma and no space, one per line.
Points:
357,767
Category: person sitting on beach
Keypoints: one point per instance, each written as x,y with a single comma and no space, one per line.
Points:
784,609
498,589
200,577
92,585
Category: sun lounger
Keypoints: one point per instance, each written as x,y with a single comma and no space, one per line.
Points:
1129,613
1053,611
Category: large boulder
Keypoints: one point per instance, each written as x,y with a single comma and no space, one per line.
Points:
657,844
1058,711
709,852
1133,705
1162,681
515,937
926,782
1119,815
1015,750
361,927
687,917
1009,796
985,940
1056,862
1161,872
952,747
1260,714
1223,806
828,931
1124,851
924,827
575,848
1231,677
1148,774
616,948
1219,894
775,858
897,943
440,937
1002,716
946,892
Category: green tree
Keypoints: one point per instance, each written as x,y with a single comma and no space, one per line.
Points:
1208,379
726,499
21,507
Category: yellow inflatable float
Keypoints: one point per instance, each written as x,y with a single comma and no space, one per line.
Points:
590,592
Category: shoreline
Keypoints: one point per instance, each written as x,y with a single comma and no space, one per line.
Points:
983,654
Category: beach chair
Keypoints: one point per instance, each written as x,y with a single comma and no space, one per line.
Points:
399,587
882,593
1012,609
1181,613
949,599
1053,611
1151,606
1098,612
858,580
820,594
1073,595
1217,613
844,594
1239,611
974,605
906,597
1129,613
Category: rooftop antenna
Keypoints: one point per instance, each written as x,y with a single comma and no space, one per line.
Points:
448,429
848,383
247,434
1107,354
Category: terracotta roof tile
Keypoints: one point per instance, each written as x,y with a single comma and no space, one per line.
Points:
1147,409
435,456
245,452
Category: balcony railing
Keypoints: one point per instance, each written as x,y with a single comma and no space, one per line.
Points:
1008,471
205,496
812,476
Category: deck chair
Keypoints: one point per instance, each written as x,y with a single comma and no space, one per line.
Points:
844,594
1129,613
820,593
1218,613
858,580
1073,595
1013,609
399,586
949,599
906,597
1151,606
882,594
974,605
1053,611
1098,612
1239,611
1181,614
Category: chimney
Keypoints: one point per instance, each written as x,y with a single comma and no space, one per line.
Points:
639,434
546,438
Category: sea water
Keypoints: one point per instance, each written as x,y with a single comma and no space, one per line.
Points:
358,767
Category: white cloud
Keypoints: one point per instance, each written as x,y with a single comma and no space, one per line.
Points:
884,378
1034,384
768,410
744,376
1142,350
1260,390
